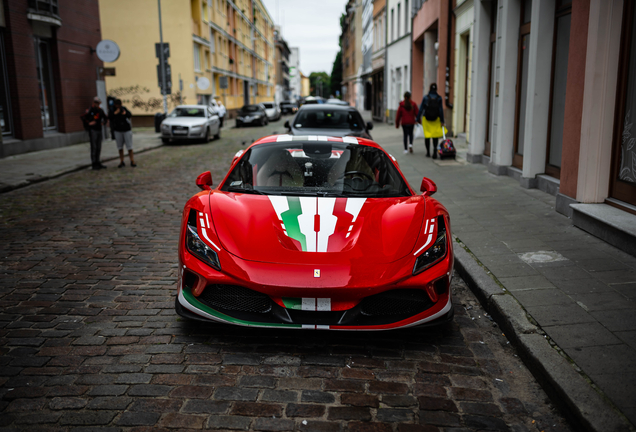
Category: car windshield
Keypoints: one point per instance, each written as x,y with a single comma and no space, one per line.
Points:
268,105
188,112
250,108
329,119
316,169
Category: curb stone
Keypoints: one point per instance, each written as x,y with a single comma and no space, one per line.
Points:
588,409
40,178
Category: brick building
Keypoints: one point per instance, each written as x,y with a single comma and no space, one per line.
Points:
48,71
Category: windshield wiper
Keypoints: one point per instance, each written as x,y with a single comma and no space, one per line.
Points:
247,191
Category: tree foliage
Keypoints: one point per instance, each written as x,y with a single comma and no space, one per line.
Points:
336,74
319,84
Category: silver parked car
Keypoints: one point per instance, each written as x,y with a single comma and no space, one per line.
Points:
191,122
272,110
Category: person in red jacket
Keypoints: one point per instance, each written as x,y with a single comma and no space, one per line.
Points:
407,115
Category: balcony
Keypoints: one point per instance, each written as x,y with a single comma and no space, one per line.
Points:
45,11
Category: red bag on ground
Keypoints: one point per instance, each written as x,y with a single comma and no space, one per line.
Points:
446,149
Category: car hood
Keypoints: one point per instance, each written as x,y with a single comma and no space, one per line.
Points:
304,230
184,121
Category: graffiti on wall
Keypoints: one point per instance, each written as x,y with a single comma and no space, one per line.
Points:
136,97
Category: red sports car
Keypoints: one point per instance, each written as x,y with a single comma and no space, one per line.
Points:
318,233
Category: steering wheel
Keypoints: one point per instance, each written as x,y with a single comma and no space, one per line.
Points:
363,174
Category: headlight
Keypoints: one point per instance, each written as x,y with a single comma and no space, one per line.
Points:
165,127
436,252
197,247
196,129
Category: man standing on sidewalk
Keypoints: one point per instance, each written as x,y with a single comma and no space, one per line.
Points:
93,120
120,122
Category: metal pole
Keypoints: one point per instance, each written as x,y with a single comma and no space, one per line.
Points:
163,64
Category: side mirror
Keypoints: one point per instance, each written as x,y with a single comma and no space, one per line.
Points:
428,187
204,181
287,125
369,125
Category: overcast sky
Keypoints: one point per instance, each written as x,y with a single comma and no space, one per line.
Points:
311,25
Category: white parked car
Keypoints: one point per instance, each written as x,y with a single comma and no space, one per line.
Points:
219,109
273,110
191,122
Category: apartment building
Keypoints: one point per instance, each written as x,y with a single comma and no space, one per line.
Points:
378,56
283,90
352,57
218,48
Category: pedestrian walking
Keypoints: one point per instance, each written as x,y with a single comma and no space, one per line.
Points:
120,122
93,119
433,121
406,114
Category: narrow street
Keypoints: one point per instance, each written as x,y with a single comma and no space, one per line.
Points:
89,337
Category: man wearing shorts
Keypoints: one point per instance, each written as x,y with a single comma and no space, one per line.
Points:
120,120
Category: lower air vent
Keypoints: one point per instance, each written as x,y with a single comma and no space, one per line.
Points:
406,302
235,298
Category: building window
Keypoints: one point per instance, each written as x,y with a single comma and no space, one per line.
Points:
407,16
207,60
392,26
197,57
204,11
45,82
398,21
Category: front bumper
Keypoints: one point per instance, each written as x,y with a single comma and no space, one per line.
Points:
209,295
188,135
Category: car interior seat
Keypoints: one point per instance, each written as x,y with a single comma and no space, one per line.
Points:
350,160
280,169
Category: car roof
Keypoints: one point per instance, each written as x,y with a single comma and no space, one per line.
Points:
319,107
192,106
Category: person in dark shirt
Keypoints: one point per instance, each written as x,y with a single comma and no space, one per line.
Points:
120,122
433,122
93,119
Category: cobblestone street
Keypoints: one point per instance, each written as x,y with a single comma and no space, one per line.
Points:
89,338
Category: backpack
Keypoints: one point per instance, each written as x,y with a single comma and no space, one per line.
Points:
432,109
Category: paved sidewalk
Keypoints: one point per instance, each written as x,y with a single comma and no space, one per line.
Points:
578,289
22,170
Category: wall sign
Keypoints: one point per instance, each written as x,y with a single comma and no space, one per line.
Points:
107,51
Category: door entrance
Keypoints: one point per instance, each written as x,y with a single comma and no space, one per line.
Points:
246,92
623,175
522,83
492,90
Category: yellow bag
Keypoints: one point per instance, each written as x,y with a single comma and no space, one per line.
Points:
433,129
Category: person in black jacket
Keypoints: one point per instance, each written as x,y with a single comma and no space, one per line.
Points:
120,121
433,111
93,119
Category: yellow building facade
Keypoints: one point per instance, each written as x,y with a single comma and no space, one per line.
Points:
208,39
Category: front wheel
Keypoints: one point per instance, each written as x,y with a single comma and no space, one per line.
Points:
218,134
206,138
165,140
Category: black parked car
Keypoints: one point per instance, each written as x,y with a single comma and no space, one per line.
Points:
288,107
252,115
329,120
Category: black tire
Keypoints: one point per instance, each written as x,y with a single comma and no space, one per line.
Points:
206,138
165,140
218,134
